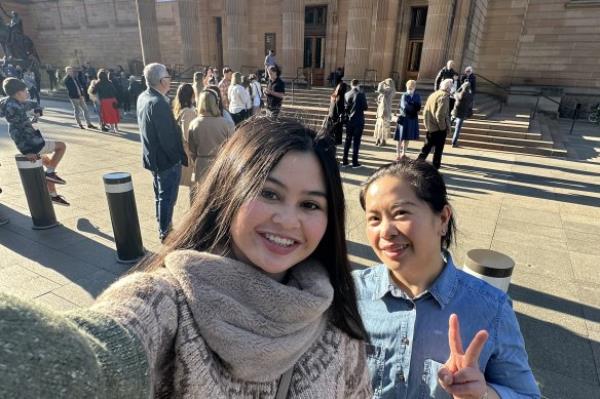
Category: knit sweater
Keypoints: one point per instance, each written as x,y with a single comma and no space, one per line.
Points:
144,338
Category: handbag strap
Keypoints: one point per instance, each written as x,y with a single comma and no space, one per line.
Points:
284,384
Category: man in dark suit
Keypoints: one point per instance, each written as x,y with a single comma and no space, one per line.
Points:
356,105
469,76
163,151
77,98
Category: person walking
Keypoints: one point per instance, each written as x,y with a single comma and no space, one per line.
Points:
463,109
256,94
269,61
386,90
198,85
207,132
107,97
77,98
163,152
30,82
446,72
408,119
275,91
437,122
51,71
356,105
224,86
471,78
124,100
337,117
239,99
184,111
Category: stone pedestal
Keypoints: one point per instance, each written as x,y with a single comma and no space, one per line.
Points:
189,18
358,40
437,39
236,19
292,43
148,26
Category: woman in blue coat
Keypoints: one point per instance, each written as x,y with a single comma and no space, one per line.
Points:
408,119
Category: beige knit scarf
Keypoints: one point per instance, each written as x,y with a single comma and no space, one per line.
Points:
258,326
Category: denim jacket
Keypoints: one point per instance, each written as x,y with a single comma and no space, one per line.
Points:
409,337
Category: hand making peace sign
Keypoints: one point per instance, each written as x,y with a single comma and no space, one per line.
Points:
461,376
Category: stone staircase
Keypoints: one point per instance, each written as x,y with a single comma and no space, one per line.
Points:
490,129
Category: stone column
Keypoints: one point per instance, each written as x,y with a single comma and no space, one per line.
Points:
189,20
148,26
236,33
292,41
383,37
437,38
358,40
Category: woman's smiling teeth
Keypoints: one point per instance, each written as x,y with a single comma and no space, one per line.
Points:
284,242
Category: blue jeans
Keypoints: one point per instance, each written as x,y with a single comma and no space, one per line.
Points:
458,125
166,188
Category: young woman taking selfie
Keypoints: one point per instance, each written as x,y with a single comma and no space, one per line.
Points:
251,297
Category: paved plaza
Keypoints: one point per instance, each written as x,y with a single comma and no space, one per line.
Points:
543,212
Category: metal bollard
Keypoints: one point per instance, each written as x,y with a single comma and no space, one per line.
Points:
33,179
491,266
124,217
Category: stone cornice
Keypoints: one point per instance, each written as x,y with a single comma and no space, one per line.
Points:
582,3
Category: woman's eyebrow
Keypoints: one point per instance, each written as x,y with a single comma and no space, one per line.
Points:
403,203
318,193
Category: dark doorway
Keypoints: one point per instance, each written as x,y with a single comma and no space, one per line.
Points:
418,17
315,30
219,32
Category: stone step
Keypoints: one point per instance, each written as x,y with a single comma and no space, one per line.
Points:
370,116
484,135
468,126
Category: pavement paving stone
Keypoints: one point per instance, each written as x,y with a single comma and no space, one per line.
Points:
543,212
55,302
542,262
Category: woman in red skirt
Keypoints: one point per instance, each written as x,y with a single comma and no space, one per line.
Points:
107,97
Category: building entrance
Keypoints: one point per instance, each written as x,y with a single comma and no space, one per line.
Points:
415,42
315,28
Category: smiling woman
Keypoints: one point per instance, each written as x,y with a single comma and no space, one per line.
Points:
251,296
411,303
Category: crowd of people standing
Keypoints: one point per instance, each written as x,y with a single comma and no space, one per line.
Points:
450,103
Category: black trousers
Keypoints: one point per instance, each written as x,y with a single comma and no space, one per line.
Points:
436,140
354,132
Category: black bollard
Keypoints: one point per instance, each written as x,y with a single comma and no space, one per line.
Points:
124,217
33,179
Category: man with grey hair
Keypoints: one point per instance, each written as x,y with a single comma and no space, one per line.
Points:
163,152
76,94
437,122
469,76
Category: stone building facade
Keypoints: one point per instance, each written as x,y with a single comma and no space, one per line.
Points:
511,42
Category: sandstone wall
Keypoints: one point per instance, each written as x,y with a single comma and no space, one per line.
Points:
541,42
104,32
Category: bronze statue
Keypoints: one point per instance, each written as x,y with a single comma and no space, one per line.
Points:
18,48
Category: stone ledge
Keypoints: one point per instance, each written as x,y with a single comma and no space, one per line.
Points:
582,3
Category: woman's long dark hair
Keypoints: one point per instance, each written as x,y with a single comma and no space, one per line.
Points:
238,174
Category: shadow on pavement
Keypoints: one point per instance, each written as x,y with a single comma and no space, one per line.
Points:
560,359
60,254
